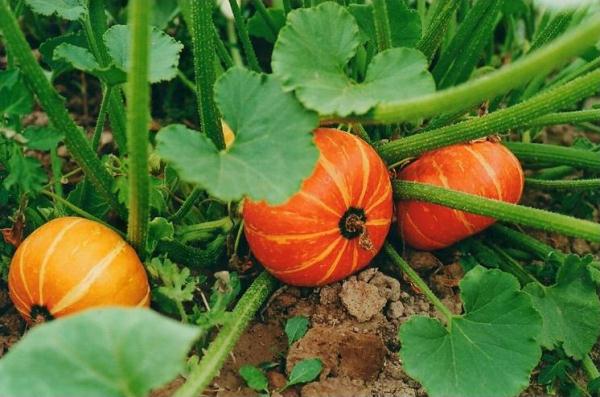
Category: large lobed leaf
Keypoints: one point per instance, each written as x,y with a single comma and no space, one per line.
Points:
67,9
570,308
313,50
488,351
99,353
164,52
273,150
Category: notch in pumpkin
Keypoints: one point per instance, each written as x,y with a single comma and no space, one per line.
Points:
71,264
485,168
334,225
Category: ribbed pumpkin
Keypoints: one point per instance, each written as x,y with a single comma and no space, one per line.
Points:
334,225
483,168
70,264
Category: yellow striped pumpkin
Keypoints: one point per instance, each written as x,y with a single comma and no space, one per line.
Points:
70,264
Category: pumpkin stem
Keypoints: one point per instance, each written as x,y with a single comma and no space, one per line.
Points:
40,314
353,224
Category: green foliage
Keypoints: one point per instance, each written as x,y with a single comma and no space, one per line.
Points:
175,285
47,48
254,378
304,371
258,27
25,173
405,22
82,59
164,52
311,53
295,328
15,97
474,355
272,152
98,353
570,308
68,9
158,229
42,138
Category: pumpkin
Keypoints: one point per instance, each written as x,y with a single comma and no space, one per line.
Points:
486,169
71,264
334,225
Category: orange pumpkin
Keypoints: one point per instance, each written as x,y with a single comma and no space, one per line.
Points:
71,264
334,225
483,168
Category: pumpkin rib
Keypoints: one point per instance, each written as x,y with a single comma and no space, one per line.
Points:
377,200
283,238
354,258
80,290
420,232
319,202
489,171
446,184
57,239
341,185
366,171
312,262
335,264
145,300
25,245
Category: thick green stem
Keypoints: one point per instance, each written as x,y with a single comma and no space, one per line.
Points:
221,346
224,56
187,205
498,121
418,281
580,116
101,120
138,97
460,57
497,209
555,155
590,368
54,106
262,10
287,6
193,257
56,176
493,84
203,35
186,82
528,243
94,28
200,231
437,27
564,184
382,25
242,30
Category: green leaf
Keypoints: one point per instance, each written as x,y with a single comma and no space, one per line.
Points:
295,328
164,52
258,27
42,138
158,229
311,53
570,308
67,9
15,97
272,152
405,22
25,172
176,285
82,59
305,371
47,51
488,351
91,201
254,377
98,353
